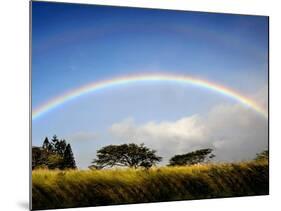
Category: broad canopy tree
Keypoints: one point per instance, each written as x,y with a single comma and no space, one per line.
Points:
125,155
192,158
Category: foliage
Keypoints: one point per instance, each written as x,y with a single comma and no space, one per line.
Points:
126,155
52,155
264,155
39,157
54,161
47,146
192,158
68,158
72,188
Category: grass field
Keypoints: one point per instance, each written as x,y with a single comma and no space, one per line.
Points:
74,188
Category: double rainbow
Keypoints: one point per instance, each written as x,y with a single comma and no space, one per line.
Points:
181,79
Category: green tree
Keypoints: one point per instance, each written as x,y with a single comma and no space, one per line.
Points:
54,161
262,155
42,158
68,158
60,147
54,154
125,155
192,158
47,145
54,142
39,157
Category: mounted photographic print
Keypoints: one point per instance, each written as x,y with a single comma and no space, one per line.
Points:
136,105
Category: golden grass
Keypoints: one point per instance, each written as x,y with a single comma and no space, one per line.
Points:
73,188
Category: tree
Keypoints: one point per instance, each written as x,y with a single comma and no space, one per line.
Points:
52,155
125,155
60,147
192,158
262,155
68,158
54,161
64,151
54,142
39,157
47,145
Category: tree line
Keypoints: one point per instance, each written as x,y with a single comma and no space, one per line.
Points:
136,156
57,154
54,154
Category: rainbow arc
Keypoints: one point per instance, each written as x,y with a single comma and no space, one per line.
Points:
119,81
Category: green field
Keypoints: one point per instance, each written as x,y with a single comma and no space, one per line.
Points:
74,188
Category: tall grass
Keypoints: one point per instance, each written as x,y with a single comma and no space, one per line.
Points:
73,188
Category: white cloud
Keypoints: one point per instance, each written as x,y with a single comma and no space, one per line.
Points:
166,137
233,131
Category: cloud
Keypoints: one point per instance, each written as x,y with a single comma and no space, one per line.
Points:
262,96
165,137
233,131
82,136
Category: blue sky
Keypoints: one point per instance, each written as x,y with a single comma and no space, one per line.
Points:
73,45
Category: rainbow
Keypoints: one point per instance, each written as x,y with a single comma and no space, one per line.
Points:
163,77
